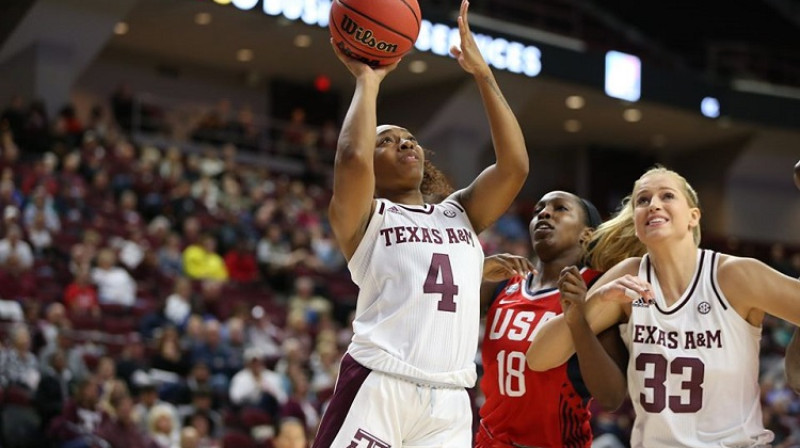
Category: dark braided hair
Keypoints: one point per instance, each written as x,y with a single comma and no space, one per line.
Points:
435,186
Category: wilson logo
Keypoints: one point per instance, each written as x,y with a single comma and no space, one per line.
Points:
366,37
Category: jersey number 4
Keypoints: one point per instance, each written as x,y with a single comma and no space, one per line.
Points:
656,382
440,264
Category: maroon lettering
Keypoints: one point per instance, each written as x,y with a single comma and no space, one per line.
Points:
413,237
400,235
387,238
437,236
372,441
426,236
452,238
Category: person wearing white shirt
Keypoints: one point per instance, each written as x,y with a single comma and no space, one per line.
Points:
114,284
13,246
255,385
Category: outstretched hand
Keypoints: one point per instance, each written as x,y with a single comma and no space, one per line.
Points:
497,268
469,55
360,69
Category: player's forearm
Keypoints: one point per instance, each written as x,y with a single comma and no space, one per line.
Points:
551,347
793,361
602,375
357,137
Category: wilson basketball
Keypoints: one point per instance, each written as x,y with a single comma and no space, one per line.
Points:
376,32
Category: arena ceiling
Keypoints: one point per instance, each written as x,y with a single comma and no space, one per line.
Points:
165,32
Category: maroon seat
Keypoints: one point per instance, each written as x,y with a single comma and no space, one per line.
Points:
235,439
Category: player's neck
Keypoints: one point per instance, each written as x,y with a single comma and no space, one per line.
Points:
406,197
674,267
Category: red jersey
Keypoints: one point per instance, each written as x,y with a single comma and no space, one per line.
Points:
523,407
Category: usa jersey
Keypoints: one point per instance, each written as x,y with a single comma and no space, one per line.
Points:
418,269
693,369
524,407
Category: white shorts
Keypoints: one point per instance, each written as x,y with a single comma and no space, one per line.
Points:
372,409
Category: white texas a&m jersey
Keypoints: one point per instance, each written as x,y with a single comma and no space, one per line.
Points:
693,369
419,272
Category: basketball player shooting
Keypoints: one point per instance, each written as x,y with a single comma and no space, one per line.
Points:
418,267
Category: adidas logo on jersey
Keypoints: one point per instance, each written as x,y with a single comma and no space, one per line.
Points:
640,302
393,209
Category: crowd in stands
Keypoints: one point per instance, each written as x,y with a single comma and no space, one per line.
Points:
162,298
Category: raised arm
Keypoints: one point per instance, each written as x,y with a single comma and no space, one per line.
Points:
493,191
552,345
353,174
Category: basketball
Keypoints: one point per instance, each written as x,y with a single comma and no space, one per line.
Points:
376,32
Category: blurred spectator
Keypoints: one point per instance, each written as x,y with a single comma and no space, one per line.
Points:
18,366
296,135
114,284
305,302
291,434
122,431
275,258
80,296
42,203
178,305
201,261
264,334
169,357
53,389
147,399
255,385
189,438
302,402
241,263
55,321
207,192
202,403
214,353
12,247
170,256
40,236
161,427
324,366
77,425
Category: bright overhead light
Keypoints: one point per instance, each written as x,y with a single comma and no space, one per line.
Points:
572,126
244,55
632,115
302,41
575,102
418,66
202,18
709,107
222,2
121,28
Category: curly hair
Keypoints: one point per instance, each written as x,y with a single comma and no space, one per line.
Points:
435,186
